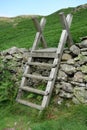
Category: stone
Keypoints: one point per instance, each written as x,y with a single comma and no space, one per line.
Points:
78,84
23,50
83,44
64,94
18,56
66,57
62,76
8,57
13,50
71,62
25,57
81,59
81,94
60,100
68,69
75,101
75,50
83,69
57,88
86,86
83,38
67,87
78,77
84,53
72,73
85,78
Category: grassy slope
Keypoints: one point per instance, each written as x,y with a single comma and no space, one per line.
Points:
54,118
21,32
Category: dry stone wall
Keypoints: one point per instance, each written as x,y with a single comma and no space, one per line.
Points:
71,81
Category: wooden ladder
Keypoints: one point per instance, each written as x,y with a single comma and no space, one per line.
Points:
55,53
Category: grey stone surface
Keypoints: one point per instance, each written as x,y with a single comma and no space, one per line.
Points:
78,77
64,94
81,94
8,57
83,44
75,101
67,87
62,75
85,78
84,53
69,69
66,57
60,100
71,62
71,81
75,50
83,69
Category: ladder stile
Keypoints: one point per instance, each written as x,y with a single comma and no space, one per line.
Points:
54,53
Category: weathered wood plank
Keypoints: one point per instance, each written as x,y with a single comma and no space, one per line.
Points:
69,19
39,28
50,84
37,25
42,25
46,50
43,41
29,89
37,77
30,104
41,64
66,24
43,55
36,41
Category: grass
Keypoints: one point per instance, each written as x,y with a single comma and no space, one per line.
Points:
53,118
20,32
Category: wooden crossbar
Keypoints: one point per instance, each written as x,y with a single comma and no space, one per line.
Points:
40,27
66,22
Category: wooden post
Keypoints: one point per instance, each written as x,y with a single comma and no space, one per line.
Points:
53,73
66,22
40,27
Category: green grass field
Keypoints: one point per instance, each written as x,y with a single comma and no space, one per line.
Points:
53,118
20,32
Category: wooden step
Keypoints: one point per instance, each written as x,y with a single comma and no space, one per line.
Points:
26,88
42,55
41,64
29,104
46,50
37,77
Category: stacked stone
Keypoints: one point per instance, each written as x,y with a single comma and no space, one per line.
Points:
71,82
14,60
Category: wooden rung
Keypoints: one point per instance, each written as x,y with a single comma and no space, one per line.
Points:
46,50
42,55
26,88
29,104
41,64
37,77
